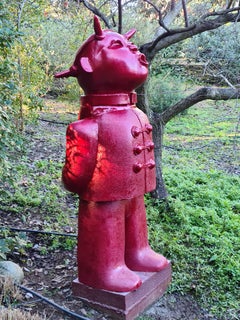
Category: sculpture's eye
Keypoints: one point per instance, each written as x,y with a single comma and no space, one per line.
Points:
115,44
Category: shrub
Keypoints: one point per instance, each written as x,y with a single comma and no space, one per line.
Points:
8,85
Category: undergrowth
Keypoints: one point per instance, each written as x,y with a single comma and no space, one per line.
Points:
36,187
198,230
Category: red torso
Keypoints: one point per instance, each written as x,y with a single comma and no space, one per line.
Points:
120,164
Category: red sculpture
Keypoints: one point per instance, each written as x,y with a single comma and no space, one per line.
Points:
110,163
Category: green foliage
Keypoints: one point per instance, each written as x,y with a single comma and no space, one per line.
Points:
164,90
12,243
205,138
8,84
220,57
60,36
34,188
198,230
31,34
34,177
51,243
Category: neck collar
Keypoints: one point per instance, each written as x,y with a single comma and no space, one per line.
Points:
115,99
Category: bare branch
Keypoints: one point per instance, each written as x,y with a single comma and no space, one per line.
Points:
219,13
160,17
119,16
208,22
229,3
20,11
227,81
175,9
173,4
205,93
185,13
97,12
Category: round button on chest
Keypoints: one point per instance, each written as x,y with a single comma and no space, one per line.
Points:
151,164
135,131
138,149
150,146
137,167
149,128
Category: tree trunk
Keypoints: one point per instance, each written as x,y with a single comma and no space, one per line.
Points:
158,129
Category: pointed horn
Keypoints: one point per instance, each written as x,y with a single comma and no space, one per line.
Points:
129,34
97,28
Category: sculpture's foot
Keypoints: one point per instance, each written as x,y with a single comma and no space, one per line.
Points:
120,279
146,260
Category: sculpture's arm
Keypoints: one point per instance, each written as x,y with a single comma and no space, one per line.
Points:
81,152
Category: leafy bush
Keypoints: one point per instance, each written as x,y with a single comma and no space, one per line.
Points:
12,243
60,36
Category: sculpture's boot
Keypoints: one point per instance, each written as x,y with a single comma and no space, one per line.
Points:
138,254
101,245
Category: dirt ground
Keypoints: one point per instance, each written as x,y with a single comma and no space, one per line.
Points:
51,274
48,276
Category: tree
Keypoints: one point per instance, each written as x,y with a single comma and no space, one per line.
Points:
175,24
8,84
163,39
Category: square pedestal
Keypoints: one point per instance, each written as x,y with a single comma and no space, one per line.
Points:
126,305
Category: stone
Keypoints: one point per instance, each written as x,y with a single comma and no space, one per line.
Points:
12,270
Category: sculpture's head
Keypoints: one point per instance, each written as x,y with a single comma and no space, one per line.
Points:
108,62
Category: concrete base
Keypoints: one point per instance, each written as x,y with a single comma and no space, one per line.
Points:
126,305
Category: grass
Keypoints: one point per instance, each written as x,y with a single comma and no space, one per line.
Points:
31,188
206,138
197,228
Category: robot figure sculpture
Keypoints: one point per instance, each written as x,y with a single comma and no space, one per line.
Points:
110,163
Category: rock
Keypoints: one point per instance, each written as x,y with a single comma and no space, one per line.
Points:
12,270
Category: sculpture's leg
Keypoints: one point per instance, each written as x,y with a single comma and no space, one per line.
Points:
101,245
138,254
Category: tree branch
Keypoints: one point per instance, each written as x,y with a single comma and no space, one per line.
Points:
160,16
20,11
208,22
175,9
185,13
119,16
97,12
205,93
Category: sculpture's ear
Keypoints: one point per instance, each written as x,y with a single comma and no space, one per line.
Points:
85,64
